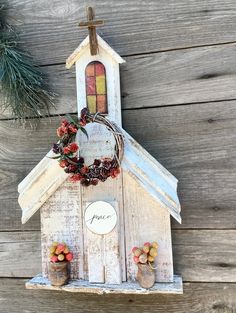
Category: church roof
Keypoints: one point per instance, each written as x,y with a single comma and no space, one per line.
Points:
85,44
47,176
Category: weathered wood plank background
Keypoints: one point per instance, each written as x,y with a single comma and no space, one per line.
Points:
178,101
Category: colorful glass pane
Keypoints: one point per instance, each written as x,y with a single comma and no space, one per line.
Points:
101,102
100,70
90,85
91,101
100,85
90,70
96,91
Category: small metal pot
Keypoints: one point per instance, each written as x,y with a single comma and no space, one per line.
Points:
145,275
59,273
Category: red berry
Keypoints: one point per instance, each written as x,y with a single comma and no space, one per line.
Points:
82,122
60,132
94,182
73,147
97,162
114,172
75,177
54,259
66,250
84,112
72,128
69,256
64,123
134,248
84,169
72,168
81,160
66,150
60,248
63,163
136,259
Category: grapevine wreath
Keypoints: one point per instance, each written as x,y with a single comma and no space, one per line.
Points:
67,150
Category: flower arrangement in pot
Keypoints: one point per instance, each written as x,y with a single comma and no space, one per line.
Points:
144,257
60,257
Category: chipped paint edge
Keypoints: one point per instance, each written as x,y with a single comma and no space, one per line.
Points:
82,286
79,50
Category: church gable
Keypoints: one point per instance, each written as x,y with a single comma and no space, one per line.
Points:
84,46
47,176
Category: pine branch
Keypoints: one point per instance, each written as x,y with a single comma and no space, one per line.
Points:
23,85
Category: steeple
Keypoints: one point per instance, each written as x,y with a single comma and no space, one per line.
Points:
91,24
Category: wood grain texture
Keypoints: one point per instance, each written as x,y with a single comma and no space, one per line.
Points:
50,31
94,251
197,297
20,254
196,143
156,180
167,78
146,220
10,216
109,269
199,255
205,255
178,77
61,221
16,162
114,250
110,191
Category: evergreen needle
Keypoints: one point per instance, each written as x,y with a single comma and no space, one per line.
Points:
23,85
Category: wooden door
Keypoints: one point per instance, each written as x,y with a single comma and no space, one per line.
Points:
104,258
104,255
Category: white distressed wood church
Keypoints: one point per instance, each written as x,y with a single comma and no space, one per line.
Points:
144,195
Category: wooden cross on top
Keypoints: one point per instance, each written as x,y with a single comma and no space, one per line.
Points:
91,24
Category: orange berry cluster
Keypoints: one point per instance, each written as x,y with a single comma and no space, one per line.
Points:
145,254
60,252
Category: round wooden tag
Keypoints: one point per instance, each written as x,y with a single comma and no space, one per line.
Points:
100,217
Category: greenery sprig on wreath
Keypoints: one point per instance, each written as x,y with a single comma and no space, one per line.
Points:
67,150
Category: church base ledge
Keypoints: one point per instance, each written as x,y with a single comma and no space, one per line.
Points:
82,286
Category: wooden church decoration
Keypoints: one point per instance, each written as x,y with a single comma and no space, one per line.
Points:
140,200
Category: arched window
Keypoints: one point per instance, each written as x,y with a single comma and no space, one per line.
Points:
96,91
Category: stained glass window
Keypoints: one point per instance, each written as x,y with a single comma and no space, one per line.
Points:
96,91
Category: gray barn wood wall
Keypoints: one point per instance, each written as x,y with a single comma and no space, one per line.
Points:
179,102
